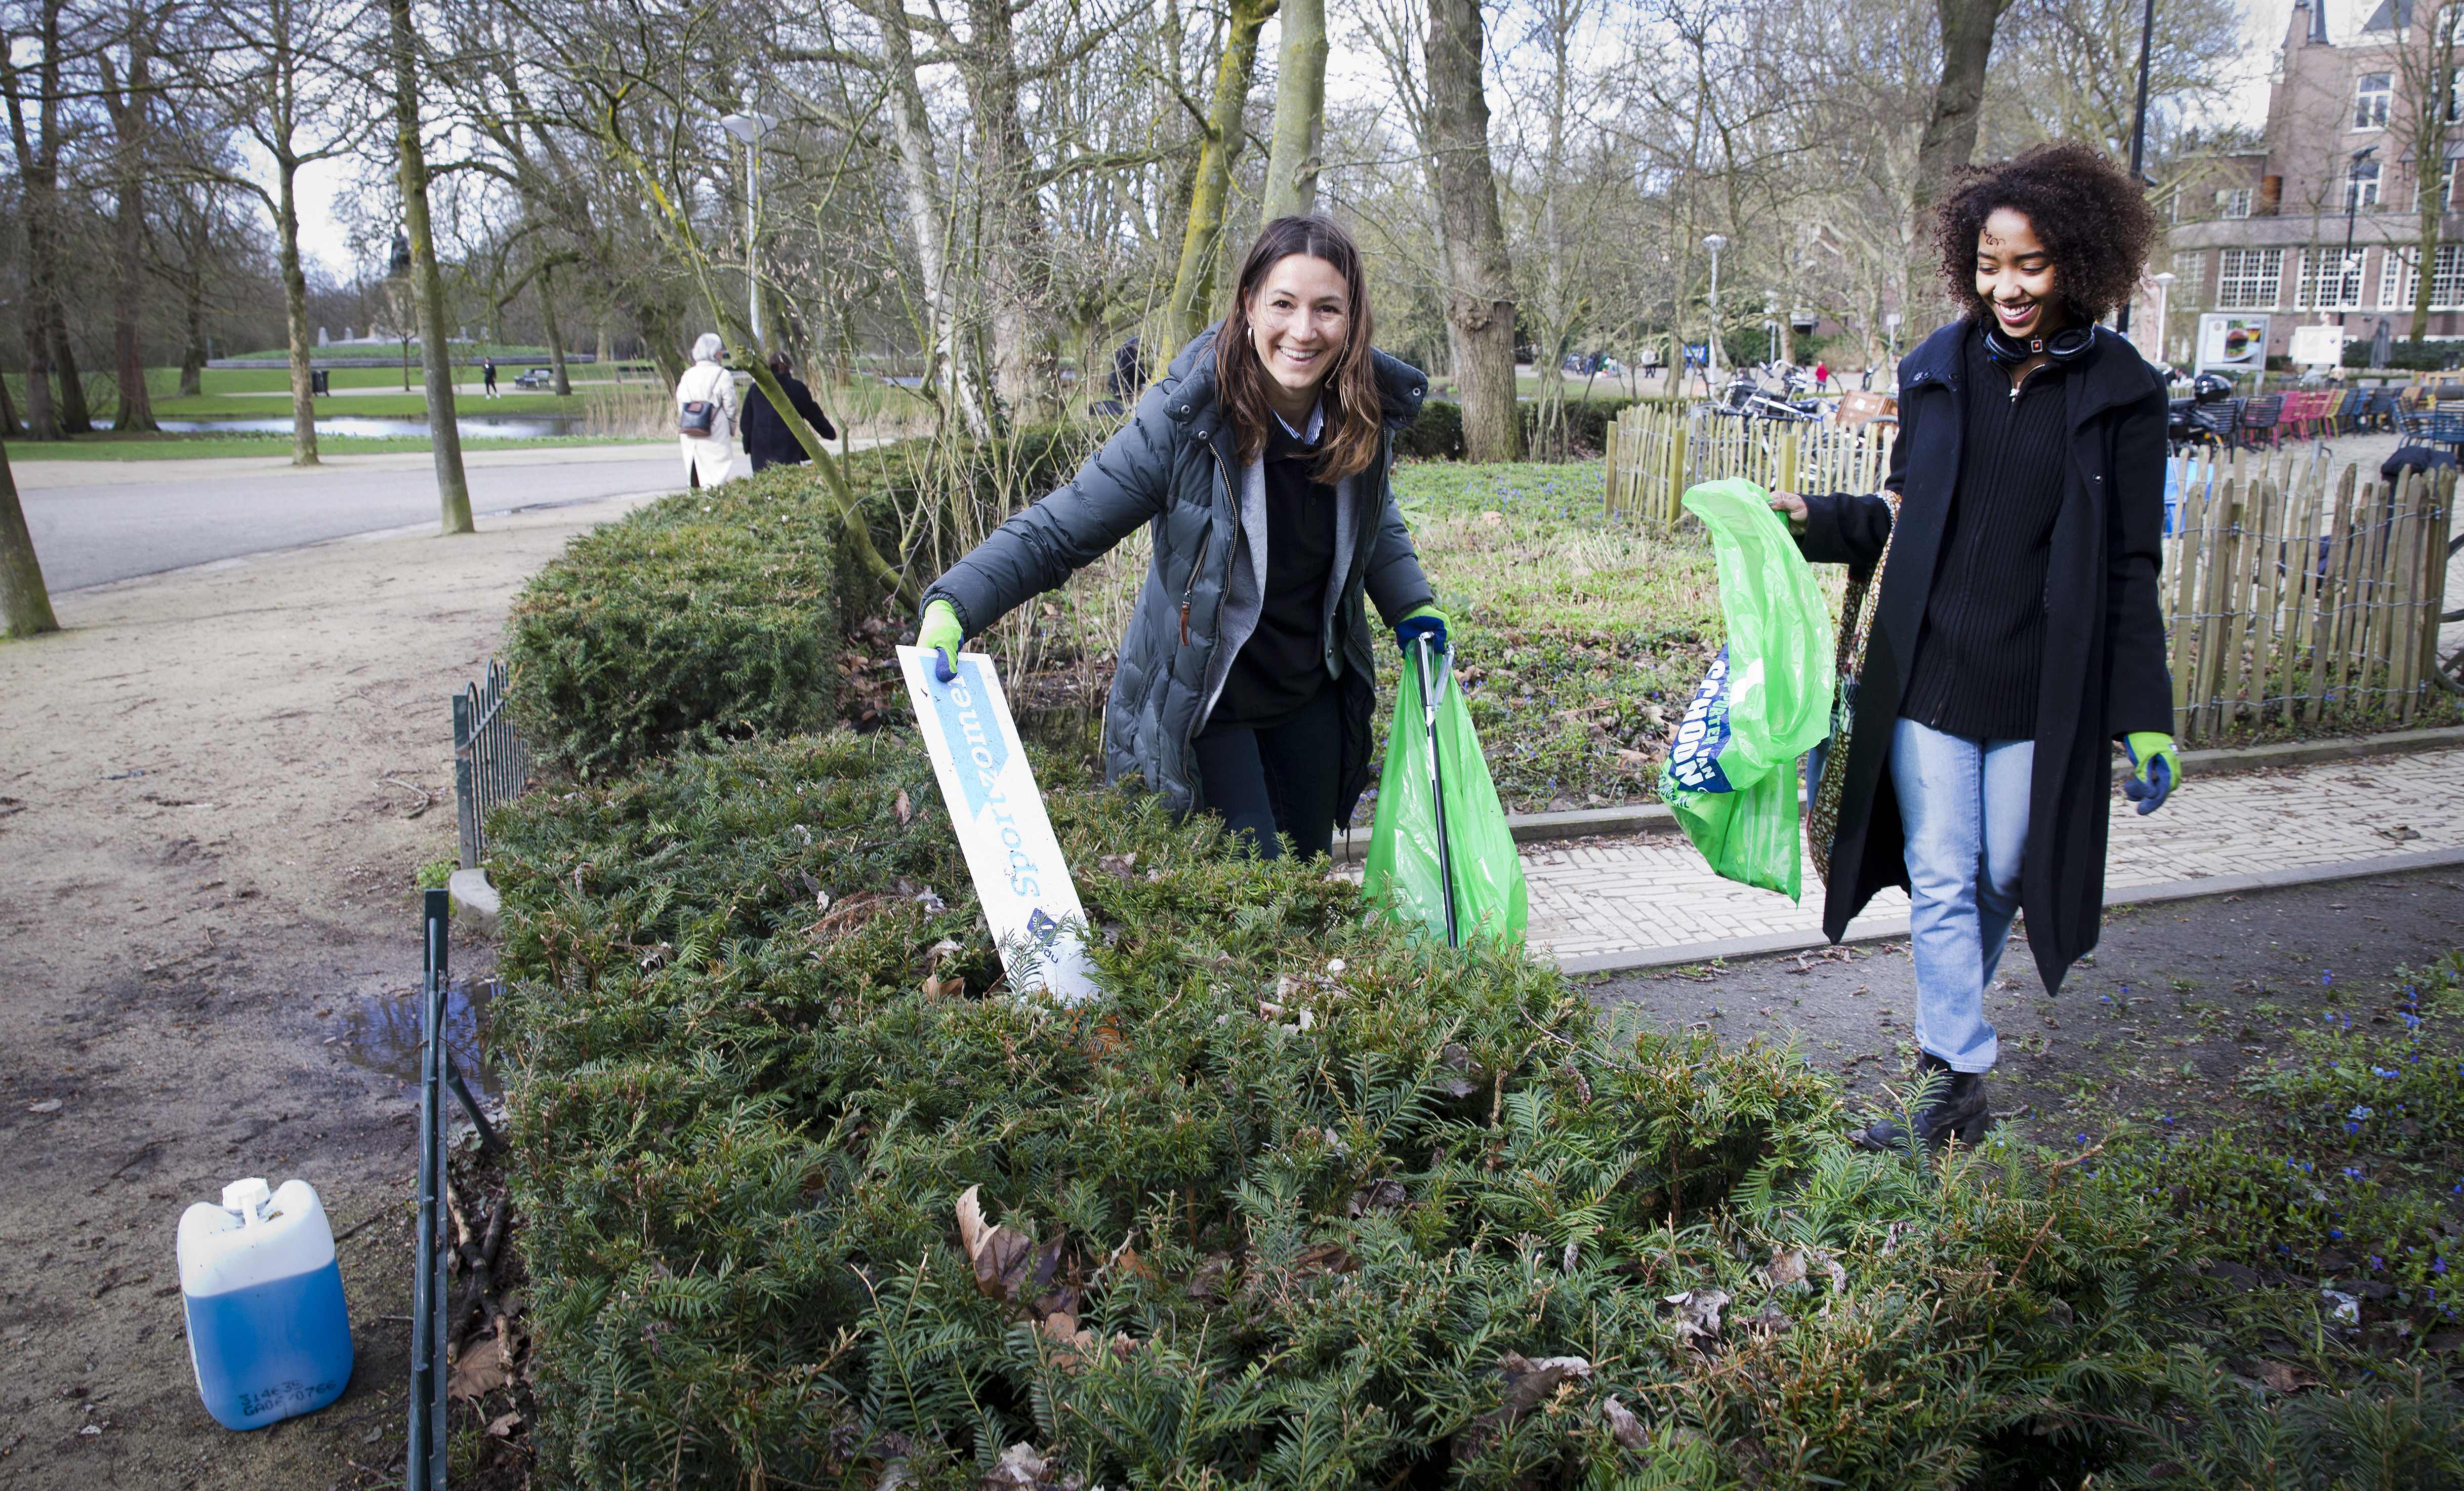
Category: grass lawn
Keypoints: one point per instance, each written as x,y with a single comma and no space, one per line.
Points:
395,406
186,447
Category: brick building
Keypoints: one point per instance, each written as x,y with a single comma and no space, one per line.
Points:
2336,166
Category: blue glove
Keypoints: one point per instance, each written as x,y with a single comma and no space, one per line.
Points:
941,631
2154,769
1428,621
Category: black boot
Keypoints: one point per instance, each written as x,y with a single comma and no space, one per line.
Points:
1958,1110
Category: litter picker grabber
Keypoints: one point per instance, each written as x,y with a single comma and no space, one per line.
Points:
1432,690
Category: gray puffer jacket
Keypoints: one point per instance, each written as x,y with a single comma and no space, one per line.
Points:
1172,468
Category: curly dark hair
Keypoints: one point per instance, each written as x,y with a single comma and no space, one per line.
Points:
2087,210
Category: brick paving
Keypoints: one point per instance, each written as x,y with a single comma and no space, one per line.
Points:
1613,903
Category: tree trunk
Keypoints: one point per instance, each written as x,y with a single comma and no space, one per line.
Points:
1201,244
10,428
38,170
2429,143
76,416
953,371
129,118
410,165
295,314
1480,277
1016,271
555,333
1949,137
1293,161
25,604
192,351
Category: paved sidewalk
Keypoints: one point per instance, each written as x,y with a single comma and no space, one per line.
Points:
1636,901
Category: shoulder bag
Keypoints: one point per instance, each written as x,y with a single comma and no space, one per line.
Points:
1827,763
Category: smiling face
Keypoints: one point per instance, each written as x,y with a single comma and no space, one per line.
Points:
2014,276
1299,321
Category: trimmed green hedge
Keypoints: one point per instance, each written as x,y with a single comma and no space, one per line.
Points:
1304,1200
709,614
716,614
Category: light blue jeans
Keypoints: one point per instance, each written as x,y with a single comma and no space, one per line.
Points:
1964,808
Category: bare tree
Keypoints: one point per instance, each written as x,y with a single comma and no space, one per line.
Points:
410,164
1293,160
25,604
278,69
128,99
2424,121
1201,244
38,173
1949,140
1480,278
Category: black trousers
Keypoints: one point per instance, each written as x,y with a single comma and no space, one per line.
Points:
1278,778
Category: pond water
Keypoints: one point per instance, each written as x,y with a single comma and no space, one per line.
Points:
477,427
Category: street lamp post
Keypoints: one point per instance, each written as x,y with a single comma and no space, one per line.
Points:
2163,303
1715,242
2352,206
750,127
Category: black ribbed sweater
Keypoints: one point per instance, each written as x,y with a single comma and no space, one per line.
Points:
1982,649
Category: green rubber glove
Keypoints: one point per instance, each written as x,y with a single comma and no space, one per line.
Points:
1427,621
941,631
2154,769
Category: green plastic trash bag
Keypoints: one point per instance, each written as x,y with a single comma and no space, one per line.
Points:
1404,867
1731,777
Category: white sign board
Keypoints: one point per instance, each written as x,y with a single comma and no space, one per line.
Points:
2232,343
1028,899
2316,346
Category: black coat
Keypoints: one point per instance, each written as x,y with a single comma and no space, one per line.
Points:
2104,673
767,439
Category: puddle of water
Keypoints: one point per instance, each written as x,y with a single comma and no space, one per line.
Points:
381,1033
489,427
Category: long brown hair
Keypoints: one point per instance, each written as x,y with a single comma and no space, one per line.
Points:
1353,408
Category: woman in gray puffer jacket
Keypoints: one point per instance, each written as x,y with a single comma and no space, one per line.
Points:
1260,463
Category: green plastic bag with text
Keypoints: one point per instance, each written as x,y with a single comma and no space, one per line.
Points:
1731,777
1402,866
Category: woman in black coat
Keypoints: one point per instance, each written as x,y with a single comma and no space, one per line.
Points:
767,437
2016,633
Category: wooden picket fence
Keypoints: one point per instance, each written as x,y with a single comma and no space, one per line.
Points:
1656,452
2294,595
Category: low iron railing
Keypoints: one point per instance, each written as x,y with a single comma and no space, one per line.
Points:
491,764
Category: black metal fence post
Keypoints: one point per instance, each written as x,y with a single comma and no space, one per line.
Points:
425,1467
491,766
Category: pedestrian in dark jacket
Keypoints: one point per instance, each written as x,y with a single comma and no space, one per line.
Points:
767,438
1260,464
2015,633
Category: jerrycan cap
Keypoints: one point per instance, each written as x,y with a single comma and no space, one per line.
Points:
247,1197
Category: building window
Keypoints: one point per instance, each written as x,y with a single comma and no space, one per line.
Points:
2446,278
2397,278
2234,204
2372,99
2190,278
2360,185
2249,279
2331,279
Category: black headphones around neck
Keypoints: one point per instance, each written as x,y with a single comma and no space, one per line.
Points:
2066,345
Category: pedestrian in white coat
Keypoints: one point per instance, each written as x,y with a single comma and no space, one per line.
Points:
709,458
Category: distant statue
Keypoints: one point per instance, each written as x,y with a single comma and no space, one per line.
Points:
400,266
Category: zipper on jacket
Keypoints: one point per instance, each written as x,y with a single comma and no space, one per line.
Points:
1191,589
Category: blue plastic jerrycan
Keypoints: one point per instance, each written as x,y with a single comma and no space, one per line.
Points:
268,1332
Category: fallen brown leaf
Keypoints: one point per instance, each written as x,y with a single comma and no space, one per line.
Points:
906,809
503,1425
479,1371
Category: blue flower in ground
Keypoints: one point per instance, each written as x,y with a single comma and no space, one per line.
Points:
2354,1173
2104,999
2083,1139
2164,1118
2438,1265
2336,1232
2384,1072
2327,977
2359,1113
2376,1262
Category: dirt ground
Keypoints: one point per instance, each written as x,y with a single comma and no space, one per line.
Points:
216,786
